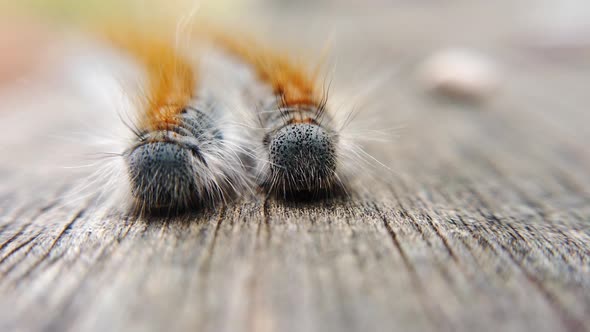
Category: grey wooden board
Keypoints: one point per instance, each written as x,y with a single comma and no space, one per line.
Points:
483,224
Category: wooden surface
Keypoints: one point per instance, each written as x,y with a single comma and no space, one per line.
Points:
484,224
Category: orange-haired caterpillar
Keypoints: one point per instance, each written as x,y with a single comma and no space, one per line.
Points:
182,156
300,145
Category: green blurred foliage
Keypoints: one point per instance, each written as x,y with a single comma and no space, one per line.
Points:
85,10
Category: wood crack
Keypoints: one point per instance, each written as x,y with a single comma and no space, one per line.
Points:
571,322
55,241
432,310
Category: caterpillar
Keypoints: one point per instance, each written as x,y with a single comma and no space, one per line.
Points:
183,154
299,151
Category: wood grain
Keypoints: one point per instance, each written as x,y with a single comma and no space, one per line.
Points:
483,224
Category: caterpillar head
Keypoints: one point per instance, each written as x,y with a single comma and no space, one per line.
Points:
185,165
162,175
302,159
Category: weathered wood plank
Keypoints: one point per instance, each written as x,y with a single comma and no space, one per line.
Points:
483,224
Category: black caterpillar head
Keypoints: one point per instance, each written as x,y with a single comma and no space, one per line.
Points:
302,159
172,169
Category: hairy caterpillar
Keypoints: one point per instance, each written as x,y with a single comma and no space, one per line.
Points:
183,154
300,144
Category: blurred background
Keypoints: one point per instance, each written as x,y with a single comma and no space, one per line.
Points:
467,55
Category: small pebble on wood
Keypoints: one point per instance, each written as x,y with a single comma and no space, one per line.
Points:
461,74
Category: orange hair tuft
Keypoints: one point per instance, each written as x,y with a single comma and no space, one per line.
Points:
289,79
171,78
